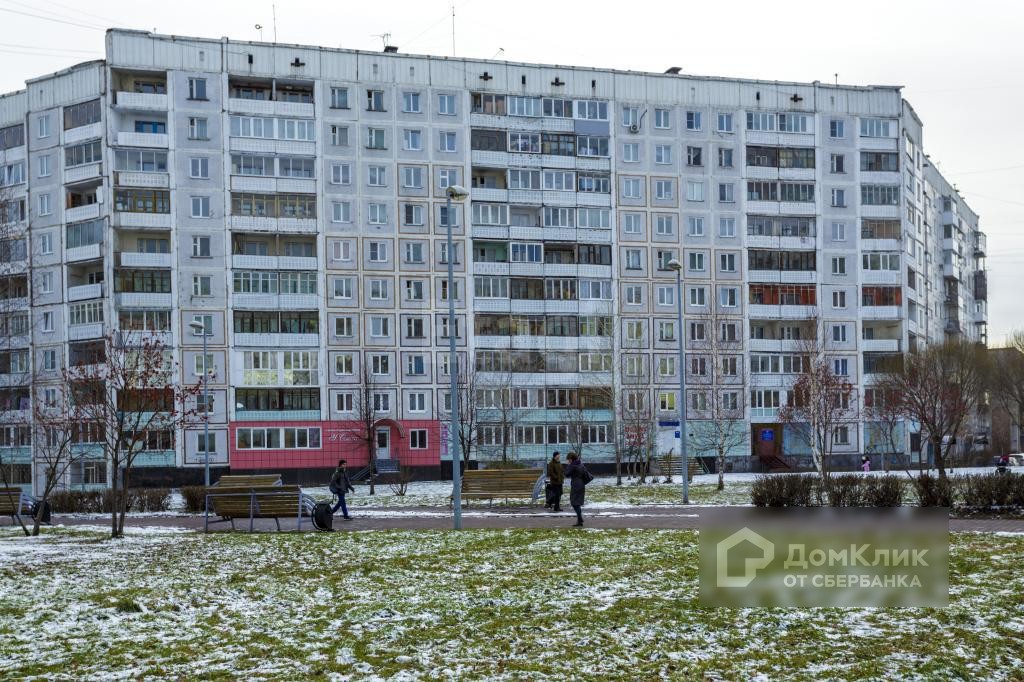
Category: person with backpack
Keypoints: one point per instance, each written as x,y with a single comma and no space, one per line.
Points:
556,480
579,477
340,485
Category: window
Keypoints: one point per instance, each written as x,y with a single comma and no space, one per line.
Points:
724,157
81,154
693,120
839,197
375,100
377,214
341,174
380,364
727,262
695,191
48,321
380,326
836,129
341,212
46,283
412,140
202,285
378,252
726,227
880,195
666,401
82,114
339,98
697,331
839,333
665,225
760,120
728,297
666,366
446,177
839,299
376,176
838,163
841,435
197,128
694,156
339,136
666,295
43,127
724,123
200,247
695,261
446,104
44,204
46,241
631,152
343,326
629,116
877,127
204,364
447,142
197,88
45,169
199,168
412,178
695,226
634,294
631,188
631,223
633,259
200,207
839,265
411,103
375,138
49,360
726,193
663,190
698,296
839,232
662,119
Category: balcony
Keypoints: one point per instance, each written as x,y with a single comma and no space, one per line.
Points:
79,332
277,340
138,179
276,301
154,458
272,185
85,291
276,415
83,253
880,345
89,171
881,244
145,260
881,277
81,213
881,312
980,244
144,300
140,101
153,140
274,147
136,337
242,262
488,194
159,221
263,107
83,133
951,271
264,224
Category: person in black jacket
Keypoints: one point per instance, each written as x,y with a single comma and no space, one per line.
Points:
340,485
579,477
556,478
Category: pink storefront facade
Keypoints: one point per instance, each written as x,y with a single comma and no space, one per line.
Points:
414,443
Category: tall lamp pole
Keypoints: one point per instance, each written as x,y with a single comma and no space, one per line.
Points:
200,328
674,264
458,193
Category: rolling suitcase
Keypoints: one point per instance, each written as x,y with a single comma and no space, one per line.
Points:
323,517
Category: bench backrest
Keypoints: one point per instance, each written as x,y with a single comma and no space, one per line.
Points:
238,480
275,500
487,480
11,501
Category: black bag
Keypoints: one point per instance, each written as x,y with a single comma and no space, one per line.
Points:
323,517
549,494
587,476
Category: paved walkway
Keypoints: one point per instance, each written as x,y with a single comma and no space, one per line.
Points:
438,518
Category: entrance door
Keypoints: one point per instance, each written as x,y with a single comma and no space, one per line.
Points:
384,443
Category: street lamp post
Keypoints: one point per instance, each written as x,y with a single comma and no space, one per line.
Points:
457,193
674,264
200,328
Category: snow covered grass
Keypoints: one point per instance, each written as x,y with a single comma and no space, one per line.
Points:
515,604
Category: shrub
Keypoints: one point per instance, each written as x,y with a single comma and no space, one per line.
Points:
882,491
787,490
991,491
932,491
102,501
841,490
195,498
148,499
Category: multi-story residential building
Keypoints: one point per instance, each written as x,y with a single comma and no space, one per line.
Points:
292,199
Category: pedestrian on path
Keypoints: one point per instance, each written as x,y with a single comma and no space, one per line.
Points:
556,481
865,464
580,477
340,485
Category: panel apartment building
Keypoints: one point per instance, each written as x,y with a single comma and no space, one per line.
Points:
292,199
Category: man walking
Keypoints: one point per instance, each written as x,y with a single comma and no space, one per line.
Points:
556,479
580,477
340,485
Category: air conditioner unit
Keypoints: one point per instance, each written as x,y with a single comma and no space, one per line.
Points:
634,128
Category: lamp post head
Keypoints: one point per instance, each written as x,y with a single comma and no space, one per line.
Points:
674,264
198,327
457,192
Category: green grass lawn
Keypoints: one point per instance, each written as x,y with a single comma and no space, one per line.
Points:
514,604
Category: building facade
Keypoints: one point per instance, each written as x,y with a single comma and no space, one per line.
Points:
292,199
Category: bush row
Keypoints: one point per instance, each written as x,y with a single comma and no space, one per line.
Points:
972,492
102,501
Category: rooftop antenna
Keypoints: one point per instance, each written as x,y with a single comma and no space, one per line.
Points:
837,78
273,14
385,38
500,52
259,27
453,29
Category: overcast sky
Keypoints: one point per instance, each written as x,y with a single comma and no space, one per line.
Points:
962,64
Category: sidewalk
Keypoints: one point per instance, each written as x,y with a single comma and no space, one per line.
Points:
669,517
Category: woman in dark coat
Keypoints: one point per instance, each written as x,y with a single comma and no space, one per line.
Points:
580,477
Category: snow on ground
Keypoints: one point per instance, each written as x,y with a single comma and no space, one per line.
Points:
506,604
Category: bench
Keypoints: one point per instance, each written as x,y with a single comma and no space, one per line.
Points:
14,502
257,502
672,465
491,484
246,481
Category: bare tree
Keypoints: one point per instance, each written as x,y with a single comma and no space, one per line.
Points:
1007,380
636,416
940,388
130,394
819,404
719,395
497,413
579,417
885,420
367,420
54,438
468,427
